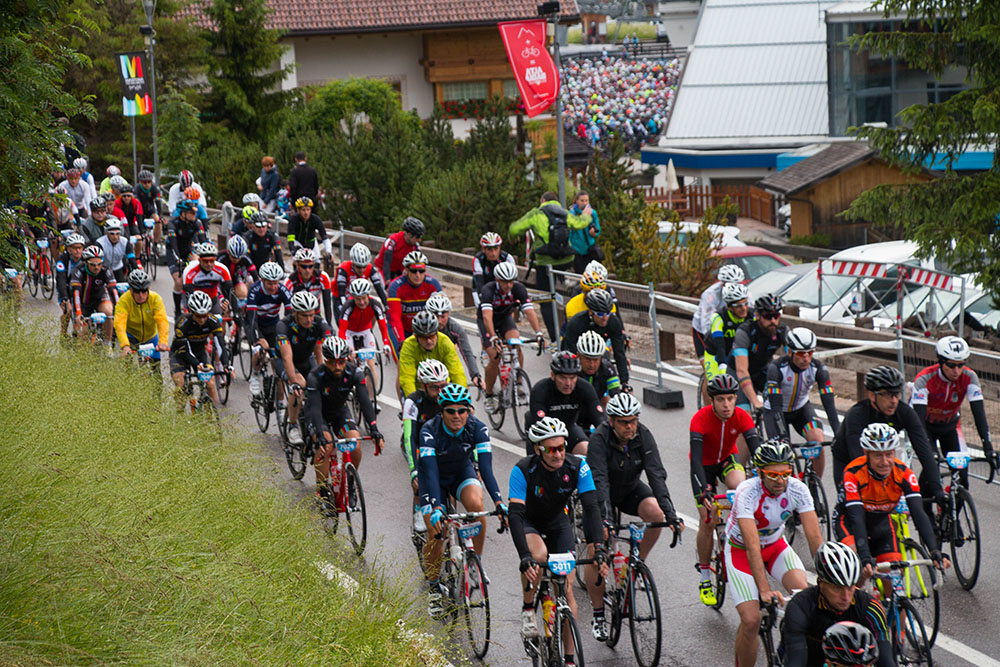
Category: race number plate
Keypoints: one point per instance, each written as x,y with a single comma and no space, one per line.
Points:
562,564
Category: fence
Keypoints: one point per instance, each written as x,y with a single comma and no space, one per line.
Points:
691,201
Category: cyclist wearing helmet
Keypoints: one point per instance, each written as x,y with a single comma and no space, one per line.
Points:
176,193
117,183
239,225
407,295
149,197
263,311
397,247
710,303
885,386
119,255
299,338
440,306
498,302
485,261
110,206
306,230
563,396
426,343
195,335
595,367
836,601
357,317
590,280
85,176
453,444
786,394
329,388
308,276
92,288
66,263
262,244
359,265
252,199
418,408
715,430
141,318
754,343
132,208
598,318
105,186
756,546
848,644
620,450
93,227
77,189
183,231
204,274
719,340
938,392
873,485
540,488
241,269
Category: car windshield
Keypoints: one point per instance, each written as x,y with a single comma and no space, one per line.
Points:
772,282
758,265
985,310
931,305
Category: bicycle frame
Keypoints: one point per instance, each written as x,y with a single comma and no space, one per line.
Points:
897,604
337,479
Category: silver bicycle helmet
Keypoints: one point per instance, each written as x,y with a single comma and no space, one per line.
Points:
545,428
800,339
730,273
304,302
360,255
505,271
837,563
591,344
879,438
424,323
271,271
432,371
438,303
623,404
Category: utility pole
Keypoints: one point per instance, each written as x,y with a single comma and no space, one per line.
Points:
149,6
550,10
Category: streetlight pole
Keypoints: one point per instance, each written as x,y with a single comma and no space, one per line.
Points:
551,11
149,6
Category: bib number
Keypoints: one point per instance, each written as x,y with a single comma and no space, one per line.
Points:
636,532
98,318
364,354
958,460
469,530
810,452
347,446
562,564
902,507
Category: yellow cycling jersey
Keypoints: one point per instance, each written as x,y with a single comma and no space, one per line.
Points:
576,305
141,321
411,354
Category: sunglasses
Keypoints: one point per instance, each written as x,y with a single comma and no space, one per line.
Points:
554,450
305,267
804,353
599,314
776,475
437,387
339,361
417,270
741,304
953,364
140,291
770,316
887,393
456,411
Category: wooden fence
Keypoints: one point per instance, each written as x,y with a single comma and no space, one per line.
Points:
692,200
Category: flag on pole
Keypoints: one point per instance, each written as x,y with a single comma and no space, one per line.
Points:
135,85
535,73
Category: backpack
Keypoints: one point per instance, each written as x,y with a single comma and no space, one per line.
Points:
558,245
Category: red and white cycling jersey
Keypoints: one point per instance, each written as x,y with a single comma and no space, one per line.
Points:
944,398
318,284
206,282
769,512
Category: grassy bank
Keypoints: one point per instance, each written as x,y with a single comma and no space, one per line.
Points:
131,536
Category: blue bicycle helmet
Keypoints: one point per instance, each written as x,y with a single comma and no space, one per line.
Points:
454,393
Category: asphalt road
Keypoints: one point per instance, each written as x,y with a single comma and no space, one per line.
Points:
693,635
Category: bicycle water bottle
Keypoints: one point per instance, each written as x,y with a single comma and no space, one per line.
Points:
335,477
548,605
619,564
897,582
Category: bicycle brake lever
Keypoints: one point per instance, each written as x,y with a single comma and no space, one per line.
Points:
676,540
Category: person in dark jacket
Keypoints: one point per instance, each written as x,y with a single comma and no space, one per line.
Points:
270,179
303,181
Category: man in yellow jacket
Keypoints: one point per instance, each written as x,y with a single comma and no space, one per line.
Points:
425,343
141,318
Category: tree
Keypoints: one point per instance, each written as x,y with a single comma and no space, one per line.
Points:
490,137
178,131
618,204
440,139
953,217
341,99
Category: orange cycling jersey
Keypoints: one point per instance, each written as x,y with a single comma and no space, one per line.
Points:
877,495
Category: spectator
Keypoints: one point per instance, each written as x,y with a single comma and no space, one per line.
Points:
303,181
584,241
270,179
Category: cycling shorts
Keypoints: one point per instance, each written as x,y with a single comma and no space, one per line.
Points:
717,471
628,502
699,343
558,536
304,368
359,340
339,425
90,308
802,419
179,363
453,483
779,560
882,542
268,333
501,328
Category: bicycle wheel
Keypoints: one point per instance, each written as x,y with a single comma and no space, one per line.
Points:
519,400
964,539
296,459
354,510
496,417
262,404
719,576
475,604
919,588
380,373
245,353
818,494
644,621
700,396
575,511
222,387
32,277
617,610
449,580
149,263
566,618
767,644
911,643
48,281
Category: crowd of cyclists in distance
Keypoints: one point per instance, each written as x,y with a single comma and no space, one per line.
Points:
586,447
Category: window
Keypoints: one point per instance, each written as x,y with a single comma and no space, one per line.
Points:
510,90
465,90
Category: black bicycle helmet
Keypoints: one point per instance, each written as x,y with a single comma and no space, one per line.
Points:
98,203
414,226
599,300
884,378
126,189
145,175
424,323
769,303
849,643
565,363
723,384
771,452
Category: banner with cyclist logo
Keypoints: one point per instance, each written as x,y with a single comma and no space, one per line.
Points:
535,73
135,84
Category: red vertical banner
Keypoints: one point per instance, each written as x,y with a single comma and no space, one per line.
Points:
534,71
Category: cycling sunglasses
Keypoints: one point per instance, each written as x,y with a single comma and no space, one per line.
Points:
307,266
770,316
553,450
599,314
413,270
953,364
777,475
455,411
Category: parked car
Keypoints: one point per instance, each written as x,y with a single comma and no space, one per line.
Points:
779,279
753,260
729,235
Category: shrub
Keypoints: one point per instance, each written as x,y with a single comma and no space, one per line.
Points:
721,214
817,240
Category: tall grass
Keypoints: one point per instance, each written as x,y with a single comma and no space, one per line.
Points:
131,535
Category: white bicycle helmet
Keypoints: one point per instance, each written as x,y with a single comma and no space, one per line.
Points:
438,303
598,269
117,182
730,273
952,348
271,271
490,240
591,344
112,224
800,339
623,404
304,302
75,239
360,287
304,255
505,271
199,303
80,163
92,252
837,564
335,347
251,198
414,257
432,371
360,254
545,428
207,249
879,438
733,292
237,246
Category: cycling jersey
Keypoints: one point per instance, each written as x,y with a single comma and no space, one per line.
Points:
613,334
713,441
263,309
753,342
263,248
90,290
390,256
500,304
181,235
303,341
80,194
142,321
787,393
319,284
456,333
305,233
617,468
708,305
605,381
132,222
64,269
241,269
441,455
196,280
148,199
346,275
580,407
117,255
354,319
418,408
719,340
482,271
808,615
939,400
191,341
328,394
768,512
406,300
577,304
175,195
411,354
92,230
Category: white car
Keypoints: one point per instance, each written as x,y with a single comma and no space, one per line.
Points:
726,236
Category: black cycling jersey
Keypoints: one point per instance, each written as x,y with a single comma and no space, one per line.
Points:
264,248
418,409
89,290
457,335
752,342
191,340
181,235
605,381
327,396
303,341
64,269
305,232
482,270
503,305
241,269
721,332
581,406
617,468
148,199
847,442
613,332
807,617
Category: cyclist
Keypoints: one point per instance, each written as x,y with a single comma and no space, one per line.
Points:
885,386
85,176
756,545
252,199
786,394
848,643
453,444
262,244
595,367
358,266
149,197
407,295
93,227
206,275
195,334
141,318
440,306
329,388
358,317
588,281
239,226
540,488
598,318
715,430
872,487
425,343
719,340
92,286
307,276
499,299
709,304
306,230
563,396
486,260
418,408
77,189
300,338
754,344
620,450
938,392
110,200
132,208
183,231
109,173
834,601
237,262
264,302
176,193
118,251
397,247
66,263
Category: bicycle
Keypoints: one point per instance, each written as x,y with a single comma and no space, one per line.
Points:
920,580
356,402
553,612
40,275
346,494
515,388
631,593
910,641
957,522
366,354
148,254
720,578
807,473
269,400
194,388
